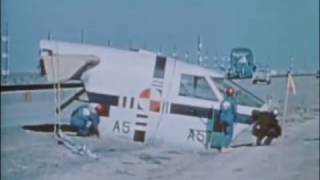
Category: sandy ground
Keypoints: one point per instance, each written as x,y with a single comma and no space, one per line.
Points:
31,155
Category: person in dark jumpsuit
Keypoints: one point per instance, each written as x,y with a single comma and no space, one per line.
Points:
265,124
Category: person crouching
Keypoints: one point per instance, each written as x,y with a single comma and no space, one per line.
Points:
86,119
265,124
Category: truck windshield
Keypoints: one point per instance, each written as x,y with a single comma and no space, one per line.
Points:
241,55
244,97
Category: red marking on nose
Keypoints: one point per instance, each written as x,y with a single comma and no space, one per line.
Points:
145,94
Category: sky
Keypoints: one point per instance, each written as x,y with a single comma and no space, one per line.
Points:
274,30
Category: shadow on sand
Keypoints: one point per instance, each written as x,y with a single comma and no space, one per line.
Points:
48,128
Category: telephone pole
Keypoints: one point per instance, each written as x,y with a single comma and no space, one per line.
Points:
5,52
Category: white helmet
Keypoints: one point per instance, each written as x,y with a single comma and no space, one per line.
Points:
96,107
275,112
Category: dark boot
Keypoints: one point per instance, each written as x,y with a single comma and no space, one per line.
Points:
268,141
258,141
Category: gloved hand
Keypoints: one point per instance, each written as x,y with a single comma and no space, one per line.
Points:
95,131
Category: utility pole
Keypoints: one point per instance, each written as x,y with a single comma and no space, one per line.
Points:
291,64
199,51
5,52
130,44
49,35
82,36
144,45
174,53
160,50
187,56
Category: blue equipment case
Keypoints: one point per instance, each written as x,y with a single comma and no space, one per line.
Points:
216,139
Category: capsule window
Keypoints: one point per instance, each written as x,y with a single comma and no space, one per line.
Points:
159,67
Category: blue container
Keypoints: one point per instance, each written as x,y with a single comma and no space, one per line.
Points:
214,139
218,139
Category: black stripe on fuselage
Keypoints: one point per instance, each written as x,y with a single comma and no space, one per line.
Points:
124,102
103,98
157,85
141,123
132,103
142,116
204,112
191,110
30,87
157,81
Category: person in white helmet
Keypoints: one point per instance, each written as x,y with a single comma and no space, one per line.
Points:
228,115
86,119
